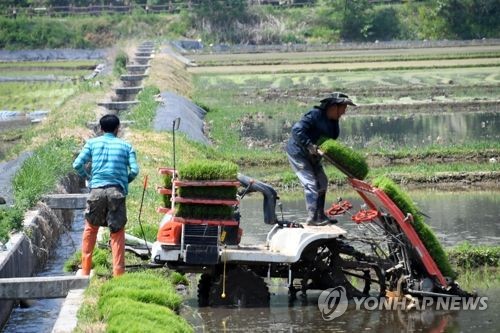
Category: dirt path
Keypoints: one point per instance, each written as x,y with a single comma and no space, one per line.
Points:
297,68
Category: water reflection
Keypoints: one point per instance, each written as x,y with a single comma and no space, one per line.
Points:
454,216
393,131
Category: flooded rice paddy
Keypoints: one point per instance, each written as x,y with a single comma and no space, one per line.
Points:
456,216
387,131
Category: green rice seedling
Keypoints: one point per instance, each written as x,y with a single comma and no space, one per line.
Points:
348,159
145,286
215,192
178,278
147,295
167,183
209,170
121,315
425,233
467,255
100,258
215,212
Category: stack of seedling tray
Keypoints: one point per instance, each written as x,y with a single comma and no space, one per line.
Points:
203,193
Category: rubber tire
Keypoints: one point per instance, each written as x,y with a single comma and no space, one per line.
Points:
204,285
244,289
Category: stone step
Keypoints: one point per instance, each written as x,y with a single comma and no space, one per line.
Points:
128,90
143,54
118,106
142,60
96,127
145,49
133,77
137,69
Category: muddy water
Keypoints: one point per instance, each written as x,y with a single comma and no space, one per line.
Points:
40,316
456,216
393,131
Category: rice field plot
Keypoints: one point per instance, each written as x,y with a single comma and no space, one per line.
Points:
370,79
365,53
352,66
251,113
275,58
26,96
61,69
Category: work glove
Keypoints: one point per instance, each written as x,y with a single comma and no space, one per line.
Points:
313,150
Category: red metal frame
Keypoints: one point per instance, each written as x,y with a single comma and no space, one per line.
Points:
164,210
228,223
390,208
166,171
163,190
180,183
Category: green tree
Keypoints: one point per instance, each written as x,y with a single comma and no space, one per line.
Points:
470,18
355,24
220,18
384,24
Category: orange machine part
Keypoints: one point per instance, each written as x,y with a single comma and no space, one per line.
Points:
170,233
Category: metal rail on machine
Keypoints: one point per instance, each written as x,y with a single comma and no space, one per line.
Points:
376,198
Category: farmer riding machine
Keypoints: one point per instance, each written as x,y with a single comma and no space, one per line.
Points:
393,251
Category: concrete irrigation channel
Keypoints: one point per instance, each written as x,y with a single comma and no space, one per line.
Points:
36,246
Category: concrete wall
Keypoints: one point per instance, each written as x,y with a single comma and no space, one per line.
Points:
28,251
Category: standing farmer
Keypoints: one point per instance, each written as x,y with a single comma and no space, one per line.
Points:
114,166
302,150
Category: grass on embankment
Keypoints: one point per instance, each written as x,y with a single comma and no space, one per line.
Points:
83,31
477,265
39,174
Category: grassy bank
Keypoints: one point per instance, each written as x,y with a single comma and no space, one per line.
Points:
39,174
83,32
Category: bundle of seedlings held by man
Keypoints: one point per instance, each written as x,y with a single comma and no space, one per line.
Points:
207,171
347,160
425,233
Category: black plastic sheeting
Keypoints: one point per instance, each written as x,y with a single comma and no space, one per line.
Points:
192,116
52,54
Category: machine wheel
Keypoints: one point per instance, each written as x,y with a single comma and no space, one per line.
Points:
204,285
322,267
243,288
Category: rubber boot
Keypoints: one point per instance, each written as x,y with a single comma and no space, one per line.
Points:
312,219
321,216
312,216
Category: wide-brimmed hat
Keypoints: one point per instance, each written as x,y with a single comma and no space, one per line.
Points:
336,98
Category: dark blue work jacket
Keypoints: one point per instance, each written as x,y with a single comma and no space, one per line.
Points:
313,125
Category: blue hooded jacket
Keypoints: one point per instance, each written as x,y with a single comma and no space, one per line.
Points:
313,125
